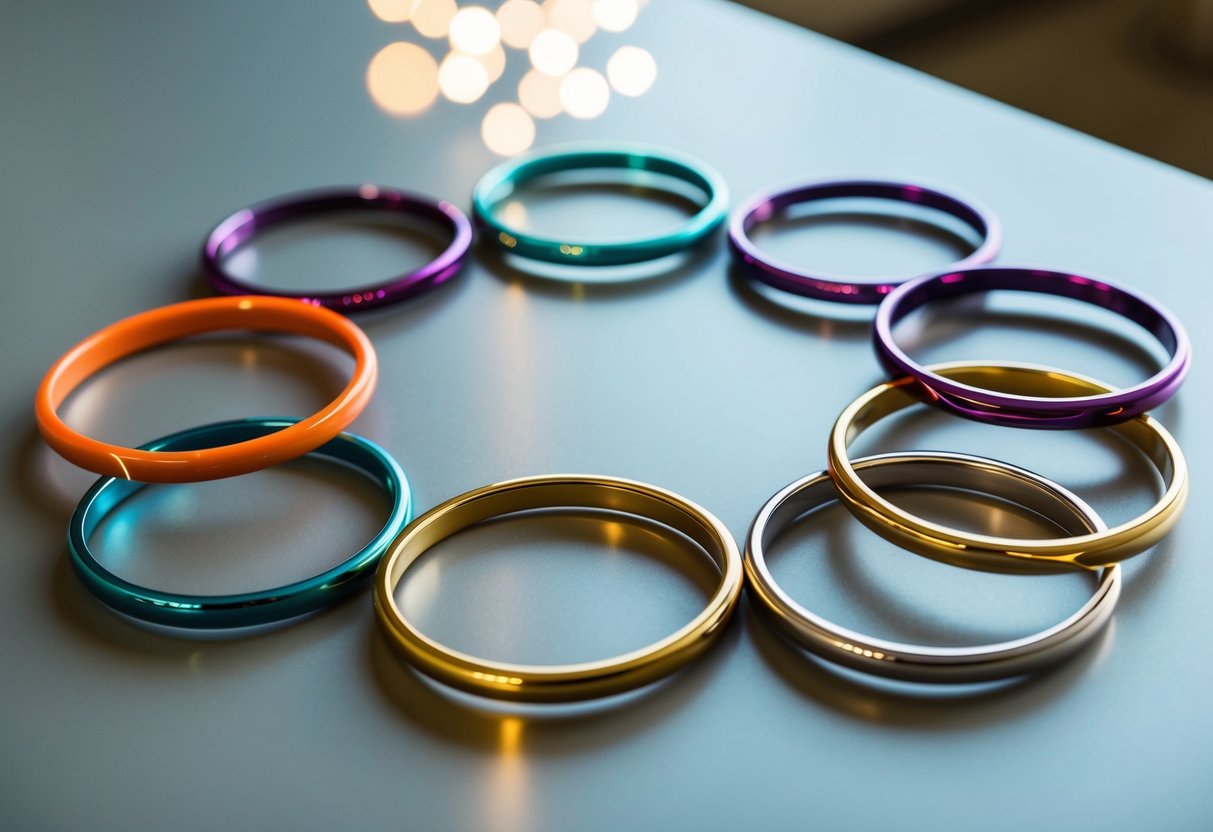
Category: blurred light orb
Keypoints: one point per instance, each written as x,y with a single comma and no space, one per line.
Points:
462,78
584,93
432,18
632,70
494,62
507,129
392,11
474,30
615,15
553,52
520,21
573,17
402,79
539,94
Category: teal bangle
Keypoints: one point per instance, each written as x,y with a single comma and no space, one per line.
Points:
250,608
497,185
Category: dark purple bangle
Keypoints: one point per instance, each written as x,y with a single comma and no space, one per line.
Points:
241,226
1034,411
840,288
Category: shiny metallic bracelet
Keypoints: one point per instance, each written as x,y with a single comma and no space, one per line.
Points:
843,288
911,662
497,185
557,683
1002,554
244,609
1026,408
244,225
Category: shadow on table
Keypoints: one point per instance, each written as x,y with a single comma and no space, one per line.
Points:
424,303
819,318
911,705
170,648
598,282
541,729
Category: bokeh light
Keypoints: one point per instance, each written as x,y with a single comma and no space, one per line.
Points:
584,93
573,17
474,31
507,129
520,21
631,70
432,18
615,15
494,62
402,79
462,78
553,52
392,11
539,93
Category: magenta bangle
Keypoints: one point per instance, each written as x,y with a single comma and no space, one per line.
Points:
840,288
241,226
1034,411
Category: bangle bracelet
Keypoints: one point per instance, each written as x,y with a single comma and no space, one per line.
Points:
496,185
569,682
249,608
833,287
915,663
243,225
179,320
1002,554
1105,407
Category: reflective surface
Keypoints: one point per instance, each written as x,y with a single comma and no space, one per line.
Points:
131,132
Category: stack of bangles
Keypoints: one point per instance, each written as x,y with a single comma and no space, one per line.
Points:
1013,395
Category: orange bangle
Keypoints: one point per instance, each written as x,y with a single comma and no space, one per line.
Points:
181,320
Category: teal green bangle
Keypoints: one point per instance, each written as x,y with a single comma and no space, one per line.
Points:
497,185
250,608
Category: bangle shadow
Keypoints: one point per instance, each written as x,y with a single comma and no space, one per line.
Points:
911,706
538,729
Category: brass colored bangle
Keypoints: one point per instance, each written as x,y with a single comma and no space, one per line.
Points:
1003,554
557,683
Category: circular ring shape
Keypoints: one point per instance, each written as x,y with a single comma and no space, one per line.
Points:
180,320
1003,554
910,662
1033,411
249,608
840,288
496,185
569,682
242,226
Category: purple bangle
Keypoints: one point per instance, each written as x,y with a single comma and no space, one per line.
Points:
1034,411
840,288
241,226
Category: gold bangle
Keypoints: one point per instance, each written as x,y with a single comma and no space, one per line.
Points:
558,683
1003,554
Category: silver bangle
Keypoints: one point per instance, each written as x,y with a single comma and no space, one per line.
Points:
911,662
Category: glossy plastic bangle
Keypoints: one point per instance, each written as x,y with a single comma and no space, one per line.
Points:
242,226
833,287
180,320
1002,554
558,683
1035,411
496,185
249,608
911,662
